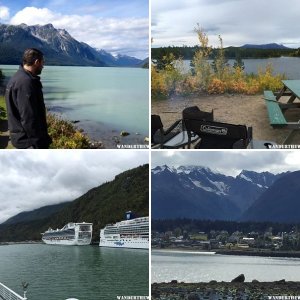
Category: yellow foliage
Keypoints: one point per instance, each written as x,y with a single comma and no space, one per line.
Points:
268,81
64,135
219,79
216,86
158,84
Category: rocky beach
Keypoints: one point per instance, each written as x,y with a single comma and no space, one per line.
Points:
226,290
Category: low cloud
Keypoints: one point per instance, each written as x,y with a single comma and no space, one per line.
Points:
237,21
231,162
49,177
110,34
4,13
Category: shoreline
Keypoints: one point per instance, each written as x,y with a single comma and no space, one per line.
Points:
103,136
261,253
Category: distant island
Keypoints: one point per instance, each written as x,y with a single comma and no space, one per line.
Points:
59,47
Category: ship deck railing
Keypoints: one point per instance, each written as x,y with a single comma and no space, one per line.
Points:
8,294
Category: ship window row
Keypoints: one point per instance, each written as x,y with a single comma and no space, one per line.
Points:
85,228
59,238
134,225
60,233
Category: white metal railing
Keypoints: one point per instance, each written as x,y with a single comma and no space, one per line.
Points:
8,294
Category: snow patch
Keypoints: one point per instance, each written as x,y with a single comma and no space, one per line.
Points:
206,188
40,38
245,178
221,186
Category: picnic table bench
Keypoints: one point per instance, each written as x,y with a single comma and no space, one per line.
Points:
276,116
276,109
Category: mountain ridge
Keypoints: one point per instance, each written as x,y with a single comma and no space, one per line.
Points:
279,203
59,47
203,193
265,46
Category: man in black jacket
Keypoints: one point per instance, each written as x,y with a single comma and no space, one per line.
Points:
25,104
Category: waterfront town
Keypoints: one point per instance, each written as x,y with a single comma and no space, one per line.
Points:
222,240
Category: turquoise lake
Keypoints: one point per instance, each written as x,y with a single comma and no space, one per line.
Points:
82,272
105,101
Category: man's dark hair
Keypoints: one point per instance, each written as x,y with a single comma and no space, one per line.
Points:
31,55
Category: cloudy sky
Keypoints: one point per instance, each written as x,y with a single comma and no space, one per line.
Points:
230,162
239,22
117,26
50,177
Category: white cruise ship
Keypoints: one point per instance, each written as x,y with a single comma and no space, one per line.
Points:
130,233
70,234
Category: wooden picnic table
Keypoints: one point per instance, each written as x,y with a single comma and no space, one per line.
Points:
290,88
276,108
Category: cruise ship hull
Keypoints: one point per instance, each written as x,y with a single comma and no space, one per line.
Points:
130,243
67,243
72,234
130,233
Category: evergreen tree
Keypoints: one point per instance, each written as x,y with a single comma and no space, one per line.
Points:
239,62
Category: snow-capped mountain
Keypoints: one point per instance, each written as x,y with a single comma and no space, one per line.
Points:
280,203
59,47
203,193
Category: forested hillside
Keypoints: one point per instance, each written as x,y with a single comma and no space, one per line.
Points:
100,205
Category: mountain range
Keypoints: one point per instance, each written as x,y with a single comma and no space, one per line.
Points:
58,46
265,46
105,204
199,193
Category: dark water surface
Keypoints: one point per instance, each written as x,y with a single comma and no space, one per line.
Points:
82,272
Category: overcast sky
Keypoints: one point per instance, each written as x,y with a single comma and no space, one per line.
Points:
230,162
239,22
117,26
49,177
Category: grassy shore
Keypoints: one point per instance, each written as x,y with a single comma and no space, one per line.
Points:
63,133
4,134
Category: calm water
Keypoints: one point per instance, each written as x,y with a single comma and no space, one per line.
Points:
290,66
189,267
85,273
106,101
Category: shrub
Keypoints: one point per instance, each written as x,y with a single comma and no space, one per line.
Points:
216,86
168,76
268,81
3,115
64,135
202,68
158,84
